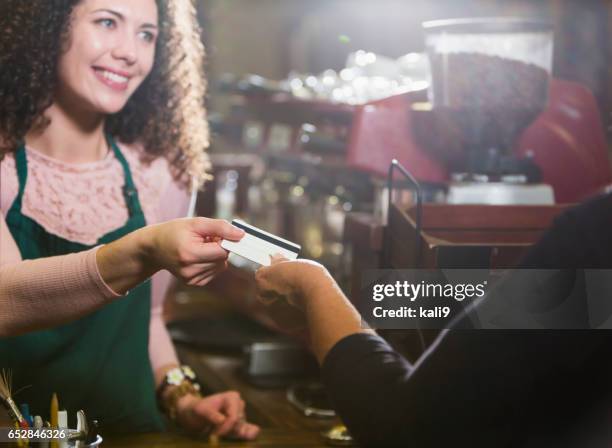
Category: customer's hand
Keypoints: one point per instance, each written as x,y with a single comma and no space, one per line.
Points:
304,300
190,249
290,281
285,288
221,414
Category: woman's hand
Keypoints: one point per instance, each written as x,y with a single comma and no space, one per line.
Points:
190,249
221,414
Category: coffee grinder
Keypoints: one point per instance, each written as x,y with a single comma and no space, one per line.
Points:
489,81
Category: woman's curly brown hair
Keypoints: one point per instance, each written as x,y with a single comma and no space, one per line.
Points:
166,114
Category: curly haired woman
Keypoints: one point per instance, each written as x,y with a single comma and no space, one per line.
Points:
102,134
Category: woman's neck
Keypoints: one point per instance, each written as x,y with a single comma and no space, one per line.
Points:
70,138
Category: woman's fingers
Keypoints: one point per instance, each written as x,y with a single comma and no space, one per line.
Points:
217,228
246,431
203,280
195,272
205,274
181,246
233,408
213,239
207,252
209,414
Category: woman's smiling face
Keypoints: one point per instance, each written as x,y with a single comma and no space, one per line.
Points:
111,51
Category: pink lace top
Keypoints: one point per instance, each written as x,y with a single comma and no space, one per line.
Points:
80,203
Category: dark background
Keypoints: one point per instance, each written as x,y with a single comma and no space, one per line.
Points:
272,37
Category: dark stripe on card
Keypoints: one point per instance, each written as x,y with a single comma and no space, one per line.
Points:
270,239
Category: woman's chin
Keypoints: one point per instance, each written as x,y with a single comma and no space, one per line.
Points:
109,108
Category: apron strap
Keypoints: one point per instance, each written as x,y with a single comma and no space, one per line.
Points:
130,194
22,169
21,164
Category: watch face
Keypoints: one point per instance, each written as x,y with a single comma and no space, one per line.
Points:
175,377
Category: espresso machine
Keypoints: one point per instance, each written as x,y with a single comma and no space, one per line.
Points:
494,126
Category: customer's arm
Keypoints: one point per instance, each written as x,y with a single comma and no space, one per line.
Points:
475,388
309,287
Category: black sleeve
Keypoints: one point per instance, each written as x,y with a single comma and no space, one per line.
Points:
477,389
458,396
580,238
486,388
558,248
366,381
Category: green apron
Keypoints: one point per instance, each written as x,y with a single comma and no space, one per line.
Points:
99,363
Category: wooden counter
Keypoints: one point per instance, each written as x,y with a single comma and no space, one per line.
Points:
268,408
282,425
269,437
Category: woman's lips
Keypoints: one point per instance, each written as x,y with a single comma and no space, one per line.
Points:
112,79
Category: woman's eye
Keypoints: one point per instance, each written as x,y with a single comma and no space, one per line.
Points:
147,36
106,23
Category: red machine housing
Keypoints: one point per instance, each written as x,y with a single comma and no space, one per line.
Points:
566,141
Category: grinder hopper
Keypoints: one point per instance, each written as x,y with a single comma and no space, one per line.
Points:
489,81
